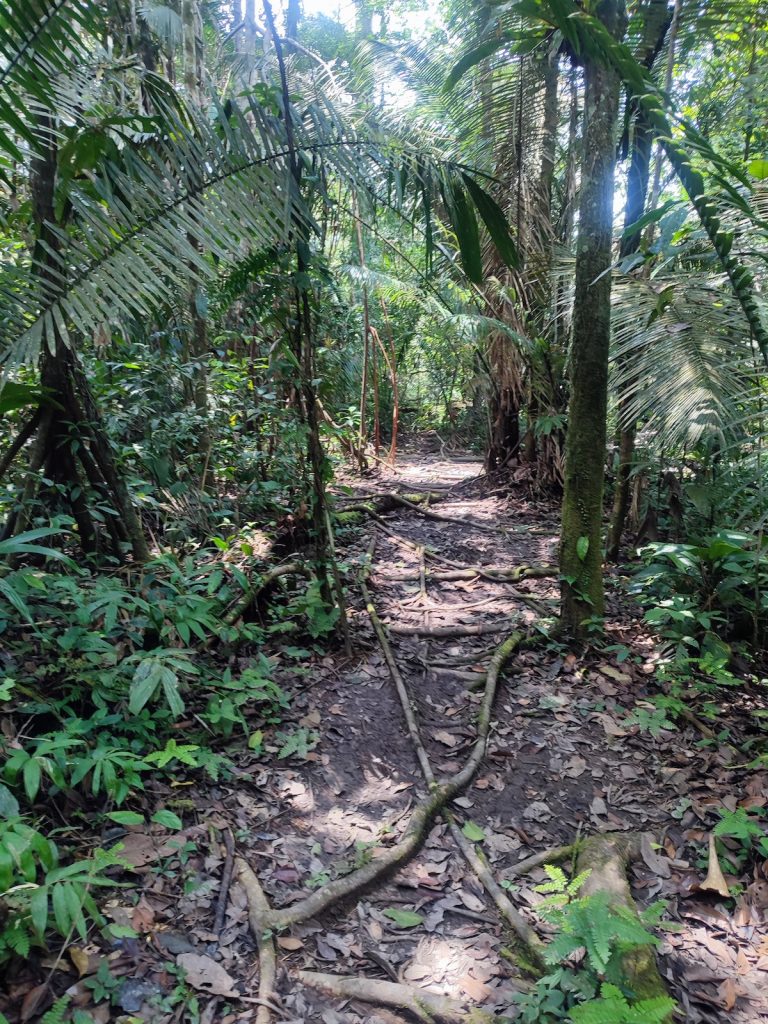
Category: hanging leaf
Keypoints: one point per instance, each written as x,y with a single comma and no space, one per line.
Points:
496,223
758,169
582,547
464,224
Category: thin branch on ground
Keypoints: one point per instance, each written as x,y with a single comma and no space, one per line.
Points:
226,881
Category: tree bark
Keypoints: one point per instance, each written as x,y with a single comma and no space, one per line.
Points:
657,22
582,593
70,431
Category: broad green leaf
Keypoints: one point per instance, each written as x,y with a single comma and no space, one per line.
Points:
404,918
168,819
473,832
126,817
582,547
9,805
758,168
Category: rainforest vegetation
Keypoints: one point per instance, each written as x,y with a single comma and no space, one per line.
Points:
383,557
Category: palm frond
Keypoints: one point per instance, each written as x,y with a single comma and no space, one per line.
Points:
40,41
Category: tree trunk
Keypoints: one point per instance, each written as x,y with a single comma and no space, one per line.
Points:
581,534
197,349
657,21
71,444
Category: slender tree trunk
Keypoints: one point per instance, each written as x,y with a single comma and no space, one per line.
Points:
198,346
363,435
71,445
657,22
581,533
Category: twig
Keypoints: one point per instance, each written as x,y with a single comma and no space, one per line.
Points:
226,881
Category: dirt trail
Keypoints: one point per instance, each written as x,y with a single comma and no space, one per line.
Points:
561,758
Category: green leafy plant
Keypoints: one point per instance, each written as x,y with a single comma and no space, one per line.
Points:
749,827
602,933
39,895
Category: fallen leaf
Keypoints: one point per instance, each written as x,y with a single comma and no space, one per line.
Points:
404,918
537,811
473,832
614,673
575,767
610,726
446,738
80,959
715,880
290,942
657,864
205,975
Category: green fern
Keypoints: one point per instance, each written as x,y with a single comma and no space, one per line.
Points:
58,1013
613,1008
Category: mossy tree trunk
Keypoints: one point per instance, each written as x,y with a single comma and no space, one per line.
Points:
581,533
71,450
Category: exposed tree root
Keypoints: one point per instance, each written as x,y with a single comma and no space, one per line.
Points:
425,1006
526,935
388,502
551,856
226,880
264,920
248,599
258,916
534,947
472,629
498,575
607,858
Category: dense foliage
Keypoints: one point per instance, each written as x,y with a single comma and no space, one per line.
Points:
243,248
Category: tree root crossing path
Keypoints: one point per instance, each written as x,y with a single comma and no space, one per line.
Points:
391,875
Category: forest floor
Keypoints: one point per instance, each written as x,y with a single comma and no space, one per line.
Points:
566,756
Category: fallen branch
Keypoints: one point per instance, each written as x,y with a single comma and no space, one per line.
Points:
426,1006
607,858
